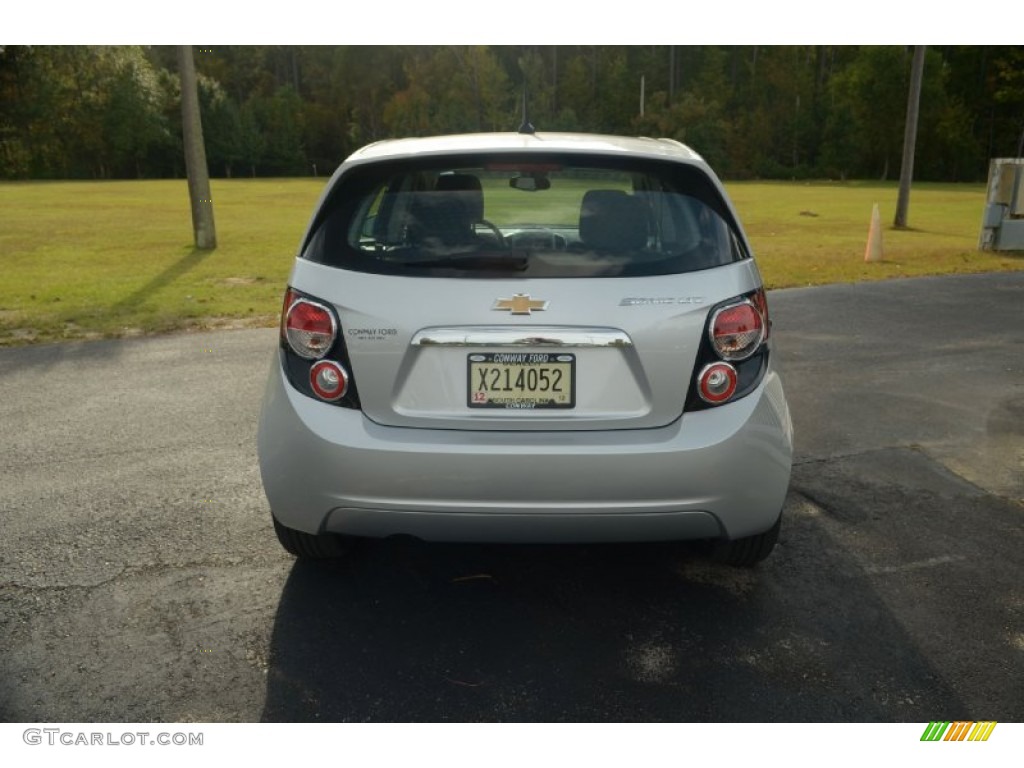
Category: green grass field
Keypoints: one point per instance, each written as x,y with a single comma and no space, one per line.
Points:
97,259
814,233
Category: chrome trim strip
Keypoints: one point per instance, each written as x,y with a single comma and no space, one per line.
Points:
521,336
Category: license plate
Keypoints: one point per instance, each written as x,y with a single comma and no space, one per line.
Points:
526,380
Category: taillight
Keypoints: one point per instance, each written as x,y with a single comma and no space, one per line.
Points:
309,327
761,302
314,357
329,380
717,383
733,355
737,330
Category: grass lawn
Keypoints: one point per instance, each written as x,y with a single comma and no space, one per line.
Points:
95,259
88,260
814,233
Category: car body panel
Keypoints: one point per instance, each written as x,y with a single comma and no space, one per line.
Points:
722,472
642,385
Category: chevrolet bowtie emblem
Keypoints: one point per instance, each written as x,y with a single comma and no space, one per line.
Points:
520,304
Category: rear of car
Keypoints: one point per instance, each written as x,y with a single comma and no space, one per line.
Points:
522,338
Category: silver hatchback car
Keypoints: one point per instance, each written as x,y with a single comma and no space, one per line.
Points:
525,337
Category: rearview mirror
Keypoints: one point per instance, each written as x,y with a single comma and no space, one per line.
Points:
530,183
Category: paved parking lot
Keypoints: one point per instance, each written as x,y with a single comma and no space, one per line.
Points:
140,579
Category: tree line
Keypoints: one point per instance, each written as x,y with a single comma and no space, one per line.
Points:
752,111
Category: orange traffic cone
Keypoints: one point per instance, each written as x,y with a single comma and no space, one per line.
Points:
874,250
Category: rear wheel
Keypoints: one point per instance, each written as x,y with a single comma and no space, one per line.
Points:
314,547
749,550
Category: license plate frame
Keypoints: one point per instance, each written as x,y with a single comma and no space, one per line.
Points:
502,380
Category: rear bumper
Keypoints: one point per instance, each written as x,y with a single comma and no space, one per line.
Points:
723,472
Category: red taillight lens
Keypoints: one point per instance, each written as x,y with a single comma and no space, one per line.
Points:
716,383
309,327
761,302
329,380
737,330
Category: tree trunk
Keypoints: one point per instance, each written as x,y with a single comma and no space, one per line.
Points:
671,74
554,81
909,138
195,154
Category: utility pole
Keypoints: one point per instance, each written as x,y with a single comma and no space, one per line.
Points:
909,138
195,154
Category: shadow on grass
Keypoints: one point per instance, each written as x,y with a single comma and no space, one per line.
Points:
182,266
46,355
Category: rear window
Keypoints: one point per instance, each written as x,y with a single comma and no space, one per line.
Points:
541,216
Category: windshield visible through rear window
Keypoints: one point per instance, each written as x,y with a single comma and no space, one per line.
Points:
543,216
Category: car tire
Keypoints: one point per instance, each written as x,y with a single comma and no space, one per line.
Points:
748,551
324,546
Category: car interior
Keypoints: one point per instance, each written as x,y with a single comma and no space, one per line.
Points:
580,222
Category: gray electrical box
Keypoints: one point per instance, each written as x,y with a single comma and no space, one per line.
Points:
1002,225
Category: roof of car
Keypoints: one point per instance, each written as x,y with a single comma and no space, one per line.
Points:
538,142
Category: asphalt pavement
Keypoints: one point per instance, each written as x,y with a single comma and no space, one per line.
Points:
140,579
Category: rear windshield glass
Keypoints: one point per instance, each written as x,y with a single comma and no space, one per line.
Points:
544,216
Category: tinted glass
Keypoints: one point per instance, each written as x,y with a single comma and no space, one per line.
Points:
544,216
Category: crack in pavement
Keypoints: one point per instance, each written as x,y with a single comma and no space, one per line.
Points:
144,569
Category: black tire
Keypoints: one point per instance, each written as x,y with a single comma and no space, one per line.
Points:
325,546
748,551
